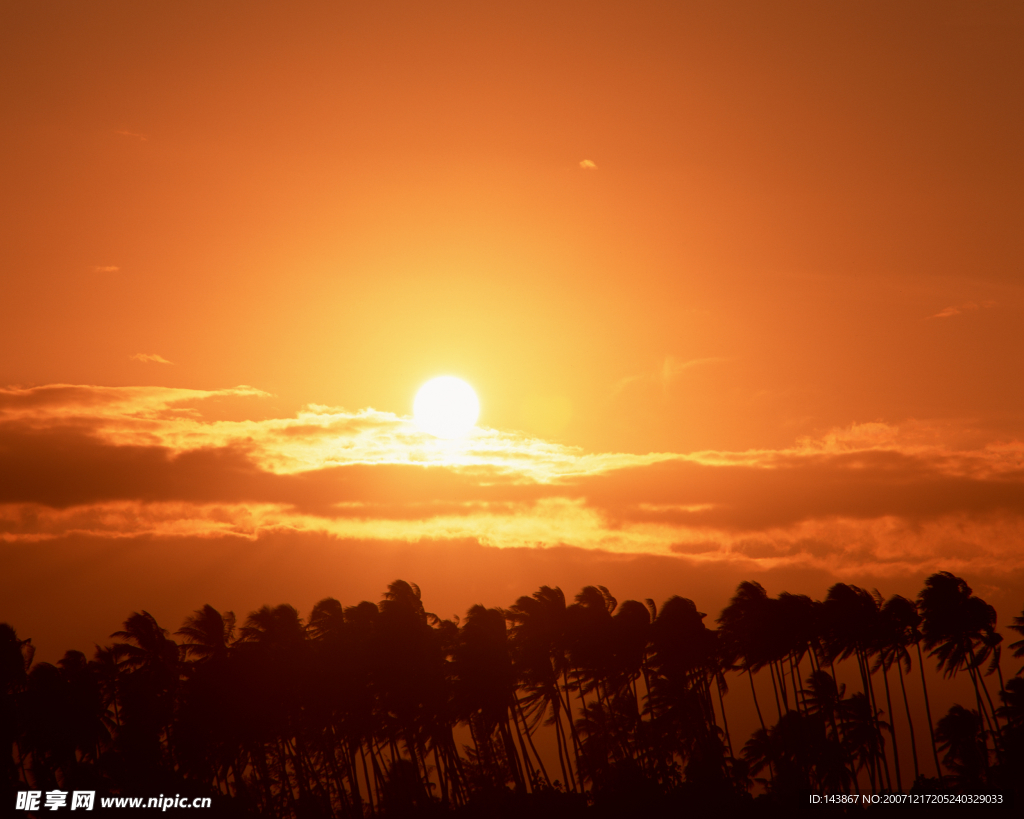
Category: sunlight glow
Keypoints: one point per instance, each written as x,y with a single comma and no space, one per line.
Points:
446,407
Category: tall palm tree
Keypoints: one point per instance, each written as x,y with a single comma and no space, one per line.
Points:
147,686
852,620
744,628
540,653
685,660
208,633
881,644
959,630
15,661
961,735
1018,646
485,689
899,630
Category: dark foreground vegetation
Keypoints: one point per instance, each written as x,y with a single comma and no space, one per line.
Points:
545,709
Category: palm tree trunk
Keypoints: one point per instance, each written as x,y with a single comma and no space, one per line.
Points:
983,714
441,777
559,742
892,731
576,746
872,759
529,739
997,736
757,706
721,703
782,685
775,688
530,771
910,722
928,712
511,755
795,677
366,776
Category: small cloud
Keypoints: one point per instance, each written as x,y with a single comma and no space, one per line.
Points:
105,268
146,358
949,312
588,165
666,375
141,137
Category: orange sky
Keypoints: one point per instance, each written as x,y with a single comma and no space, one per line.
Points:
739,286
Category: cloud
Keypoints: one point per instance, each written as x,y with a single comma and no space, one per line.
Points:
105,268
949,312
146,358
132,462
670,371
588,165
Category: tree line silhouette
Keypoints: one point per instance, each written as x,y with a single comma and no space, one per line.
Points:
560,708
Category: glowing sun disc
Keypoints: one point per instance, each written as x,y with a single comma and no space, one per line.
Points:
447,407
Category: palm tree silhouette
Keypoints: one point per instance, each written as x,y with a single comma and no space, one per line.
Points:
485,690
540,657
354,713
208,633
15,661
744,625
147,684
852,622
961,735
959,630
899,628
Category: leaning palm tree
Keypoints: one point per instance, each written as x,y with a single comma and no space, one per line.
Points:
899,630
685,661
538,636
484,691
851,623
15,660
208,633
959,630
881,645
147,686
1018,647
961,735
743,625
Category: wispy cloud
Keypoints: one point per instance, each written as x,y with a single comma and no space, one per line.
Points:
141,137
966,307
105,268
670,371
588,165
150,358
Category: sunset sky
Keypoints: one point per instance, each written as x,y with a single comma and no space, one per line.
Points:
738,285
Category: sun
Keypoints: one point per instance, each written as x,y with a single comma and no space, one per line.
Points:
447,407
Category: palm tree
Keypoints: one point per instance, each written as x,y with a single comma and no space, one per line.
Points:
744,628
208,633
962,736
147,660
540,657
862,734
485,690
851,623
882,642
900,629
413,681
272,659
15,660
1018,647
684,657
959,629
